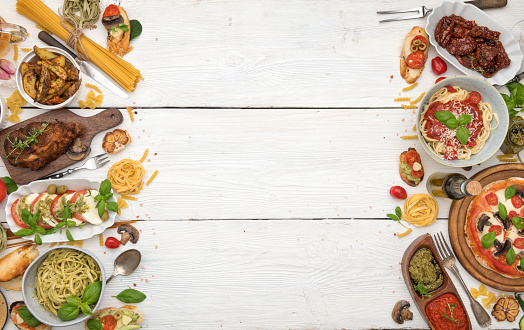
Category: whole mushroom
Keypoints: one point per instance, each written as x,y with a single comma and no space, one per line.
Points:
401,312
129,233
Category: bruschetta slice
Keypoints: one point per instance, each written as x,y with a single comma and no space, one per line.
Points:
414,54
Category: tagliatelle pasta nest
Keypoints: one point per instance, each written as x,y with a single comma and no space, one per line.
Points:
126,176
420,210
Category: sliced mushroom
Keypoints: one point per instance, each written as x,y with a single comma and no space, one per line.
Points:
501,248
520,232
77,151
482,222
519,193
401,312
112,21
506,223
129,233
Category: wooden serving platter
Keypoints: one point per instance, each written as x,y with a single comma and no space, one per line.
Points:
91,126
426,241
457,219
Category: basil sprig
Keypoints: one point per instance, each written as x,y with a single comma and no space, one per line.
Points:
510,192
510,256
518,222
397,216
136,29
31,221
503,213
447,118
28,318
488,239
93,324
105,194
72,307
131,296
515,99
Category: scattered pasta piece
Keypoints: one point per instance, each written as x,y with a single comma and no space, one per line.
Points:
489,300
415,101
482,290
128,50
15,56
405,233
505,156
486,302
122,204
409,137
408,106
27,50
94,87
13,118
154,175
420,210
101,238
144,155
402,99
474,293
405,89
130,110
92,101
133,198
82,104
508,160
415,127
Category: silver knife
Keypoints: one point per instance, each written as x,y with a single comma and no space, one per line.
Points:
86,67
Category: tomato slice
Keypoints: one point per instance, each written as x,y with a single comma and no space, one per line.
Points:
411,157
516,201
416,59
108,322
16,217
450,89
474,97
496,229
77,215
417,174
512,214
33,205
421,38
472,143
55,201
451,154
439,80
492,199
519,243
111,10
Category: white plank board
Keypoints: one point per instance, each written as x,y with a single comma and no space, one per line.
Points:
267,53
325,274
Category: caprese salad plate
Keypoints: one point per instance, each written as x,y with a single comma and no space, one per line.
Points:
63,210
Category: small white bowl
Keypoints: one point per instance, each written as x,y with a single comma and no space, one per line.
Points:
31,57
31,299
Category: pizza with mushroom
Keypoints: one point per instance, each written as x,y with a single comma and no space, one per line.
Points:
494,227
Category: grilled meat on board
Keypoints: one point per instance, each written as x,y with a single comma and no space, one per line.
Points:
37,144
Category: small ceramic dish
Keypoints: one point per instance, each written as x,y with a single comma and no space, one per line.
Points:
31,298
488,94
31,57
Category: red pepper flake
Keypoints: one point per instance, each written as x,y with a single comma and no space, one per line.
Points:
391,77
156,154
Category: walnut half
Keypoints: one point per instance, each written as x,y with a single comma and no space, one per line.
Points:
116,140
506,307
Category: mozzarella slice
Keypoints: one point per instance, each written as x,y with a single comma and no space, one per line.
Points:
91,212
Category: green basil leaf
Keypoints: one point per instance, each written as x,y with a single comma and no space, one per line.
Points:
393,217
512,113
70,223
93,324
108,196
463,134
50,231
452,123
112,206
69,236
131,296
136,28
105,187
464,119
510,192
123,27
38,240
113,29
503,213
74,301
92,293
61,224
68,312
86,309
82,225
510,256
24,232
28,318
488,239
65,213
40,230
444,116
9,184
512,87
99,198
518,222
101,208
398,212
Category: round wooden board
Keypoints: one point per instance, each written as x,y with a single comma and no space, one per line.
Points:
457,218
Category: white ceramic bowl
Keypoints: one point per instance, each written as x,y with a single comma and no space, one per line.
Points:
470,13
489,94
31,299
31,57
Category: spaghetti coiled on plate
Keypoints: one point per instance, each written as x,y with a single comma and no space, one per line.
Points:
442,140
64,273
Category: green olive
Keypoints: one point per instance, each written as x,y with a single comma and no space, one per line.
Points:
105,215
61,189
51,189
422,46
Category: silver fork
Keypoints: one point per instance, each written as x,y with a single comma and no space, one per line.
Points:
421,12
90,164
449,261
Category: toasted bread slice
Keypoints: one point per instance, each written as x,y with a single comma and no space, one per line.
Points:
410,74
402,174
125,307
16,262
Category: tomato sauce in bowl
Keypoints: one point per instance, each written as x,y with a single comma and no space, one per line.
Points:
446,313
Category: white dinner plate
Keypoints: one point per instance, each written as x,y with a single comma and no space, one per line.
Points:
472,13
38,187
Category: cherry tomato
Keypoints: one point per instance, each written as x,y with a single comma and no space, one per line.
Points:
516,201
108,322
112,243
496,229
3,190
450,89
411,157
439,80
416,59
512,214
438,66
111,10
417,174
451,154
519,243
492,199
17,217
472,143
398,192
474,97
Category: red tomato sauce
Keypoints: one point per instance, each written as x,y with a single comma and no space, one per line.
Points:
448,305
438,131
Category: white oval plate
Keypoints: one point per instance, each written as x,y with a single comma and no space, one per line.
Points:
472,13
38,187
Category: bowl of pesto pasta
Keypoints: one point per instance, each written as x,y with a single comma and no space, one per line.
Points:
64,286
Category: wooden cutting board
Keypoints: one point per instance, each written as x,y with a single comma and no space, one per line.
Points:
457,218
91,126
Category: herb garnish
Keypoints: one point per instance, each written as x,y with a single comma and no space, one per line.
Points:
20,145
421,289
9,184
28,318
510,192
397,216
510,256
515,99
70,310
104,195
503,212
450,308
447,118
488,239
131,296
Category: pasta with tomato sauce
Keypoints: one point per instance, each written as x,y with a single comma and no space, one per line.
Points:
443,140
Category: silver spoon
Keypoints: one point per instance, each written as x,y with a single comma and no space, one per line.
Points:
126,263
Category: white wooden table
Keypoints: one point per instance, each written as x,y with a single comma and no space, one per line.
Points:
273,126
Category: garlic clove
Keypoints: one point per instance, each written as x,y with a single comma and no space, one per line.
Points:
4,75
7,66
